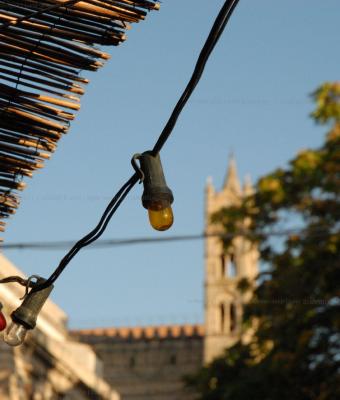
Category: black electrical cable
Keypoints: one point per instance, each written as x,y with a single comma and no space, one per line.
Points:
214,35
94,234
104,243
29,283
16,279
85,241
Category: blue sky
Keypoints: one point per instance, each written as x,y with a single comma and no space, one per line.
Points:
254,100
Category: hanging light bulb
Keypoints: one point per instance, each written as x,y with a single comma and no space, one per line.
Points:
157,197
3,322
15,334
25,316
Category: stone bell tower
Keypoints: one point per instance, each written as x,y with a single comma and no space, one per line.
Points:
223,301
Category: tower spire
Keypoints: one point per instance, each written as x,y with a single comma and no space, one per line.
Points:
248,188
232,182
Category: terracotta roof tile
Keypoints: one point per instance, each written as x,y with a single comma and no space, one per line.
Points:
147,332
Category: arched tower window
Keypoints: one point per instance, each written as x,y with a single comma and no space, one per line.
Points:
232,270
222,318
233,317
228,266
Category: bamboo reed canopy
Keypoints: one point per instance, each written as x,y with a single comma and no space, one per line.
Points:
43,47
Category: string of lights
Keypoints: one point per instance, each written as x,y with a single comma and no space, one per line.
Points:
213,37
157,197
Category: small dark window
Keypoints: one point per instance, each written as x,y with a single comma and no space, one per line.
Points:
132,362
223,266
233,317
222,318
173,360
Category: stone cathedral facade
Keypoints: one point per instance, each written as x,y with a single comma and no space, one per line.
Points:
223,301
138,363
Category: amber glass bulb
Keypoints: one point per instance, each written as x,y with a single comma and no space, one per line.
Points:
161,216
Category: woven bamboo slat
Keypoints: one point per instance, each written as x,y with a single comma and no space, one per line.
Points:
40,83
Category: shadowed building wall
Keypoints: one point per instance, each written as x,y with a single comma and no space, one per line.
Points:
148,362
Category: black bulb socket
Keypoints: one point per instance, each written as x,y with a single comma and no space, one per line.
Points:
156,192
27,313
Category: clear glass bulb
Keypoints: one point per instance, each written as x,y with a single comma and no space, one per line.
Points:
15,334
160,216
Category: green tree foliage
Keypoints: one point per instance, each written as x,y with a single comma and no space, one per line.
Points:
294,353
